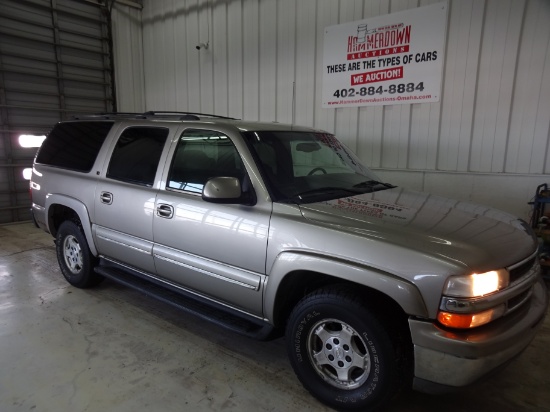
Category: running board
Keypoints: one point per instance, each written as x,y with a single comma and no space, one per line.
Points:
187,302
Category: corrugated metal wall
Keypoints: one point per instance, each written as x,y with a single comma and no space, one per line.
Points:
128,52
54,62
264,62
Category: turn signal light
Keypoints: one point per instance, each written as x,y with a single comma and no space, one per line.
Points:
469,320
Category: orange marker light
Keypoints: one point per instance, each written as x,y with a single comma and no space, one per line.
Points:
469,320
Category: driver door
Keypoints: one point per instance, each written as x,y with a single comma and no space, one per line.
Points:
215,250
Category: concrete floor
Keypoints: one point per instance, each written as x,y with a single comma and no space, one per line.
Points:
112,349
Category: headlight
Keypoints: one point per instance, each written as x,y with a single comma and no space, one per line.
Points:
463,305
477,284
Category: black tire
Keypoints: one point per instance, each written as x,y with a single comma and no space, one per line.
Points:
74,256
342,353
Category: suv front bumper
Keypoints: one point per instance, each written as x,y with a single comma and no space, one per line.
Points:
444,358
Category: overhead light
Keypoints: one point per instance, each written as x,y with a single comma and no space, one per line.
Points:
27,173
30,140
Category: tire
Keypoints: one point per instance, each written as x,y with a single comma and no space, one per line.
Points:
74,256
342,353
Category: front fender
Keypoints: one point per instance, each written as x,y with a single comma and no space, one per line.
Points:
79,208
403,292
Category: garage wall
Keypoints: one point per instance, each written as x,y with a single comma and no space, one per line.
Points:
128,53
54,63
486,140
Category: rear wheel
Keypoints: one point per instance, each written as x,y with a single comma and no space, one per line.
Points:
74,256
341,352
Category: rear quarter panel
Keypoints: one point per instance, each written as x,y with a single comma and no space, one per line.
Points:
47,181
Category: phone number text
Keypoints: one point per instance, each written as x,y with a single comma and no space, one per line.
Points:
371,90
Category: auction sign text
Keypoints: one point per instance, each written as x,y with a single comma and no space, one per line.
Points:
391,59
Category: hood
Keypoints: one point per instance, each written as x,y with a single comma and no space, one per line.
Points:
475,236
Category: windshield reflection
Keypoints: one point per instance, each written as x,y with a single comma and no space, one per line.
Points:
306,167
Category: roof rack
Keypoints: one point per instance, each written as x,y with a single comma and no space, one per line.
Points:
162,113
149,114
109,115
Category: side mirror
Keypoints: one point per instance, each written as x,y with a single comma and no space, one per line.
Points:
226,190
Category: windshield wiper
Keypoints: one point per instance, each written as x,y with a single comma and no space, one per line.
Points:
371,183
330,191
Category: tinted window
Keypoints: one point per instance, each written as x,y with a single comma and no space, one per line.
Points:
74,145
200,155
137,154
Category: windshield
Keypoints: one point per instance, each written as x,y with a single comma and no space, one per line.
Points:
306,167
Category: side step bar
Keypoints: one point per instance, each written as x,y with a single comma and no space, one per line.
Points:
212,312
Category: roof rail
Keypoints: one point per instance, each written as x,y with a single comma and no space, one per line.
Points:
109,115
149,114
164,113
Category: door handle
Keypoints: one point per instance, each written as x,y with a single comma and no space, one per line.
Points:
165,211
106,198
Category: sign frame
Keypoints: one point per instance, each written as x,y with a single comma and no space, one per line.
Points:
391,59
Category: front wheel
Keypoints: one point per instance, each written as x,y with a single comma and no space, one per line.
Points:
341,352
74,256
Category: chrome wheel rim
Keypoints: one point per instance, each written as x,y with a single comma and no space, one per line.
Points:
72,253
338,354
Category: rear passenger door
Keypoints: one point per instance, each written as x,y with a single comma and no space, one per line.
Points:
216,250
125,197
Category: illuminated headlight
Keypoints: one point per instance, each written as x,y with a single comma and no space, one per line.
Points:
463,304
477,284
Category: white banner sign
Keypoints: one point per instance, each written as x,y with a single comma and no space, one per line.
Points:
391,59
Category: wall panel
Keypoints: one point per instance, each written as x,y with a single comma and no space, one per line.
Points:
251,59
235,59
54,63
306,50
180,58
189,18
327,15
268,60
125,38
286,52
524,148
265,62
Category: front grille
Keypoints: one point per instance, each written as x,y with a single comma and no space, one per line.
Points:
518,300
519,271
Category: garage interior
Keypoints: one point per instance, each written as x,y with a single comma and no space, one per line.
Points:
110,348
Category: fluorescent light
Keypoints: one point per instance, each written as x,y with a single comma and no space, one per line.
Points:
30,140
27,173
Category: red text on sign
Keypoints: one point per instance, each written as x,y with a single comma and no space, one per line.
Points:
377,76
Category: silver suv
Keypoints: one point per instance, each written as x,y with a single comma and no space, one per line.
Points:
270,229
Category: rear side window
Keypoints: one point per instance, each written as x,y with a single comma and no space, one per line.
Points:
74,145
137,154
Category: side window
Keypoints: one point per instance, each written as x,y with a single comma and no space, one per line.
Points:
74,145
200,155
137,154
